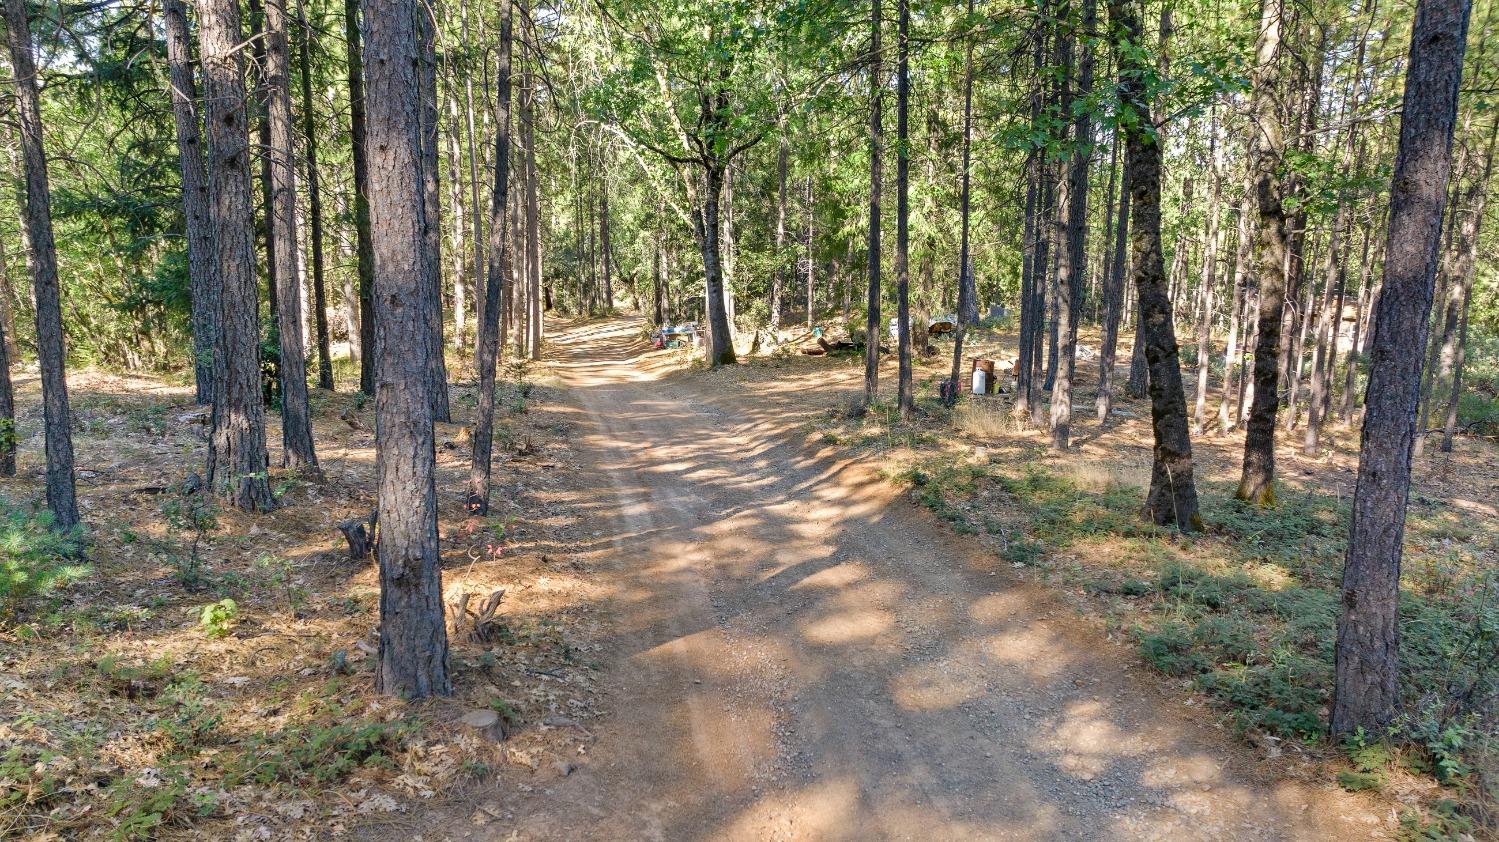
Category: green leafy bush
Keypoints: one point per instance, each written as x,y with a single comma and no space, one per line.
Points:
218,618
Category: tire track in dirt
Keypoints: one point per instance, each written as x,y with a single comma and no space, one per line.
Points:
803,655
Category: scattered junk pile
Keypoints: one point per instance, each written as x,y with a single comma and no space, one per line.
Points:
676,336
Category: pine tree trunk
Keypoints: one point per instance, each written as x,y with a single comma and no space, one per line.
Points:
487,358
904,390
1257,483
1366,689
778,274
476,209
7,412
297,451
364,248
1173,493
534,328
203,284
1212,242
315,208
1074,234
1355,345
872,329
458,254
431,218
413,655
967,305
237,460
1233,360
1113,296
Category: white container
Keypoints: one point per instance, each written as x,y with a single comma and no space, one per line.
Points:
980,382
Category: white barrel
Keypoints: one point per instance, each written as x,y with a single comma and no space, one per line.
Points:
980,382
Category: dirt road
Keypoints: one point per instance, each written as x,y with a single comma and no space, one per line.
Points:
803,654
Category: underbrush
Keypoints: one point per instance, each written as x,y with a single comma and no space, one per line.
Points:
209,674
35,559
1247,610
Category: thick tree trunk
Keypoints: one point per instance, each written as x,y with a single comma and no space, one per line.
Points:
296,423
364,248
487,358
413,656
872,329
315,208
1257,482
203,284
1173,494
237,460
1366,689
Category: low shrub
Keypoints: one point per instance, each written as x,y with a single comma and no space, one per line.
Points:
35,559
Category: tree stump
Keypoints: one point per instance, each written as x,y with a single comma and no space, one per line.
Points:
360,533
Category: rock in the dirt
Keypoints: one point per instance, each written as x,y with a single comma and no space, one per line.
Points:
563,768
481,718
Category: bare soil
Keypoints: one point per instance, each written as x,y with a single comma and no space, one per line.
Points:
797,652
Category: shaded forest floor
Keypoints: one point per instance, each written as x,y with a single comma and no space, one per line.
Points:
1243,616
127,713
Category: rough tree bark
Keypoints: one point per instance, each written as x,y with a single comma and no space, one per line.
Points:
297,450
314,206
42,258
1257,482
237,459
203,283
426,34
1173,493
1365,687
413,655
490,304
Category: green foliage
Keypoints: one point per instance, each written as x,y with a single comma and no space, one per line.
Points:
322,753
1445,823
219,618
37,560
